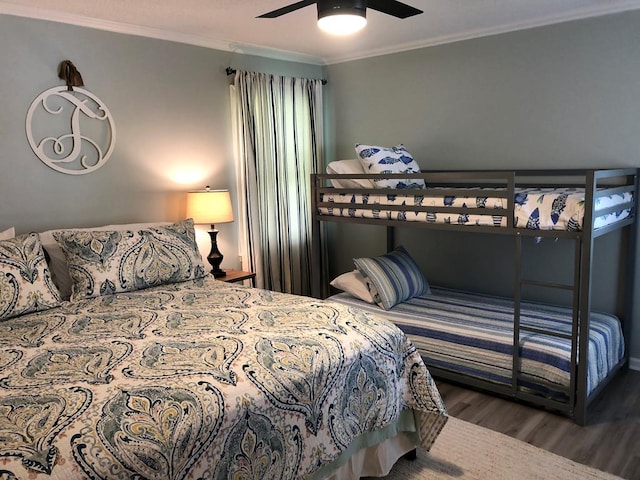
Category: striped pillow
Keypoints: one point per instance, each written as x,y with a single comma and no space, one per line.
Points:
395,277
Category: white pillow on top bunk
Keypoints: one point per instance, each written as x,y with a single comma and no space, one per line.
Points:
396,159
355,285
348,167
395,277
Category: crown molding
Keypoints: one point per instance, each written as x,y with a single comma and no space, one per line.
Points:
595,11
159,34
604,8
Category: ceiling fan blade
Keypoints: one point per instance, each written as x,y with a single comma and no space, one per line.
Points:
288,9
391,7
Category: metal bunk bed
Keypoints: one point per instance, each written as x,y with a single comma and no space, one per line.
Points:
503,185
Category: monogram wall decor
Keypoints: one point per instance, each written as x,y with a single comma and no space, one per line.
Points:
70,129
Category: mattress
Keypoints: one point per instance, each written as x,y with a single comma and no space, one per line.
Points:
473,335
205,379
534,208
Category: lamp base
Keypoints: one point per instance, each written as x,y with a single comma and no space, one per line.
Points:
215,257
218,273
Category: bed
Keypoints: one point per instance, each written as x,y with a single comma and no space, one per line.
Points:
576,206
154,369
471,334
535,208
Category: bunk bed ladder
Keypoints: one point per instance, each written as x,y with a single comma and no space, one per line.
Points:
518,328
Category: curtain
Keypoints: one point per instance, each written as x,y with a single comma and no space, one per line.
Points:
279,144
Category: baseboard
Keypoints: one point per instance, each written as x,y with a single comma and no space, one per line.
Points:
634,363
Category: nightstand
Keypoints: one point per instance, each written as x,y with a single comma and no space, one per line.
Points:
232,276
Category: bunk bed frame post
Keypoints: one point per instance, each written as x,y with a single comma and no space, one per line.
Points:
517,286
517,295
630,275
575,318
391,238
580,408
317,277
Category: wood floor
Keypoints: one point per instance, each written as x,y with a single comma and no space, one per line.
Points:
610,441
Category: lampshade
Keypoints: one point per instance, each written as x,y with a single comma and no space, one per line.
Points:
209,206
341,18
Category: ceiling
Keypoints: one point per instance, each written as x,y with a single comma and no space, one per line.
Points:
232,24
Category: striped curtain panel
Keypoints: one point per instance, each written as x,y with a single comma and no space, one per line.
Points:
279,143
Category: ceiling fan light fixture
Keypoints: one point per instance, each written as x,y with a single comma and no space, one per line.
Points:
342,18
342,24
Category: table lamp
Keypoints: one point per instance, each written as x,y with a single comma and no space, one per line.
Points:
211,206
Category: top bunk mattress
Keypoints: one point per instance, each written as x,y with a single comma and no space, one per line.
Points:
534,208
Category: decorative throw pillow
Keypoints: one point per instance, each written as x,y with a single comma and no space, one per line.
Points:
389,160
354,284
111,261
25,282
395,277
58,262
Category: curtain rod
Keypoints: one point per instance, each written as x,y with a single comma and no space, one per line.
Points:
232,71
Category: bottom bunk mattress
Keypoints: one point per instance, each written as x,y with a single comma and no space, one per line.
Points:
472,335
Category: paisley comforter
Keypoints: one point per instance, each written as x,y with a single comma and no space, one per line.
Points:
205,379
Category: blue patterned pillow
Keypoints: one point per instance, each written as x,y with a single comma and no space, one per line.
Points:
395,277
25,281
103,262
389,160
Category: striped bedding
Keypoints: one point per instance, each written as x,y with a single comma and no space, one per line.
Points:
472,335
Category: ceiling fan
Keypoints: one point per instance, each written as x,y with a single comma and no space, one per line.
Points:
332,12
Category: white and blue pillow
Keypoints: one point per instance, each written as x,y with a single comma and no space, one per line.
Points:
396,159
395,277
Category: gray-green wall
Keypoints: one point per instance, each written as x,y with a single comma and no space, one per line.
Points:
170,102
562,96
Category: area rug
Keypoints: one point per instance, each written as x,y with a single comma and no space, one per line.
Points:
465,451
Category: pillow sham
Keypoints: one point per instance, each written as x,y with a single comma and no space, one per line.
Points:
354,284
8,233
103,262
395,277
58,262
25,281
348,167
396,159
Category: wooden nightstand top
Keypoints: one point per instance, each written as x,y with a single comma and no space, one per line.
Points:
237,276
